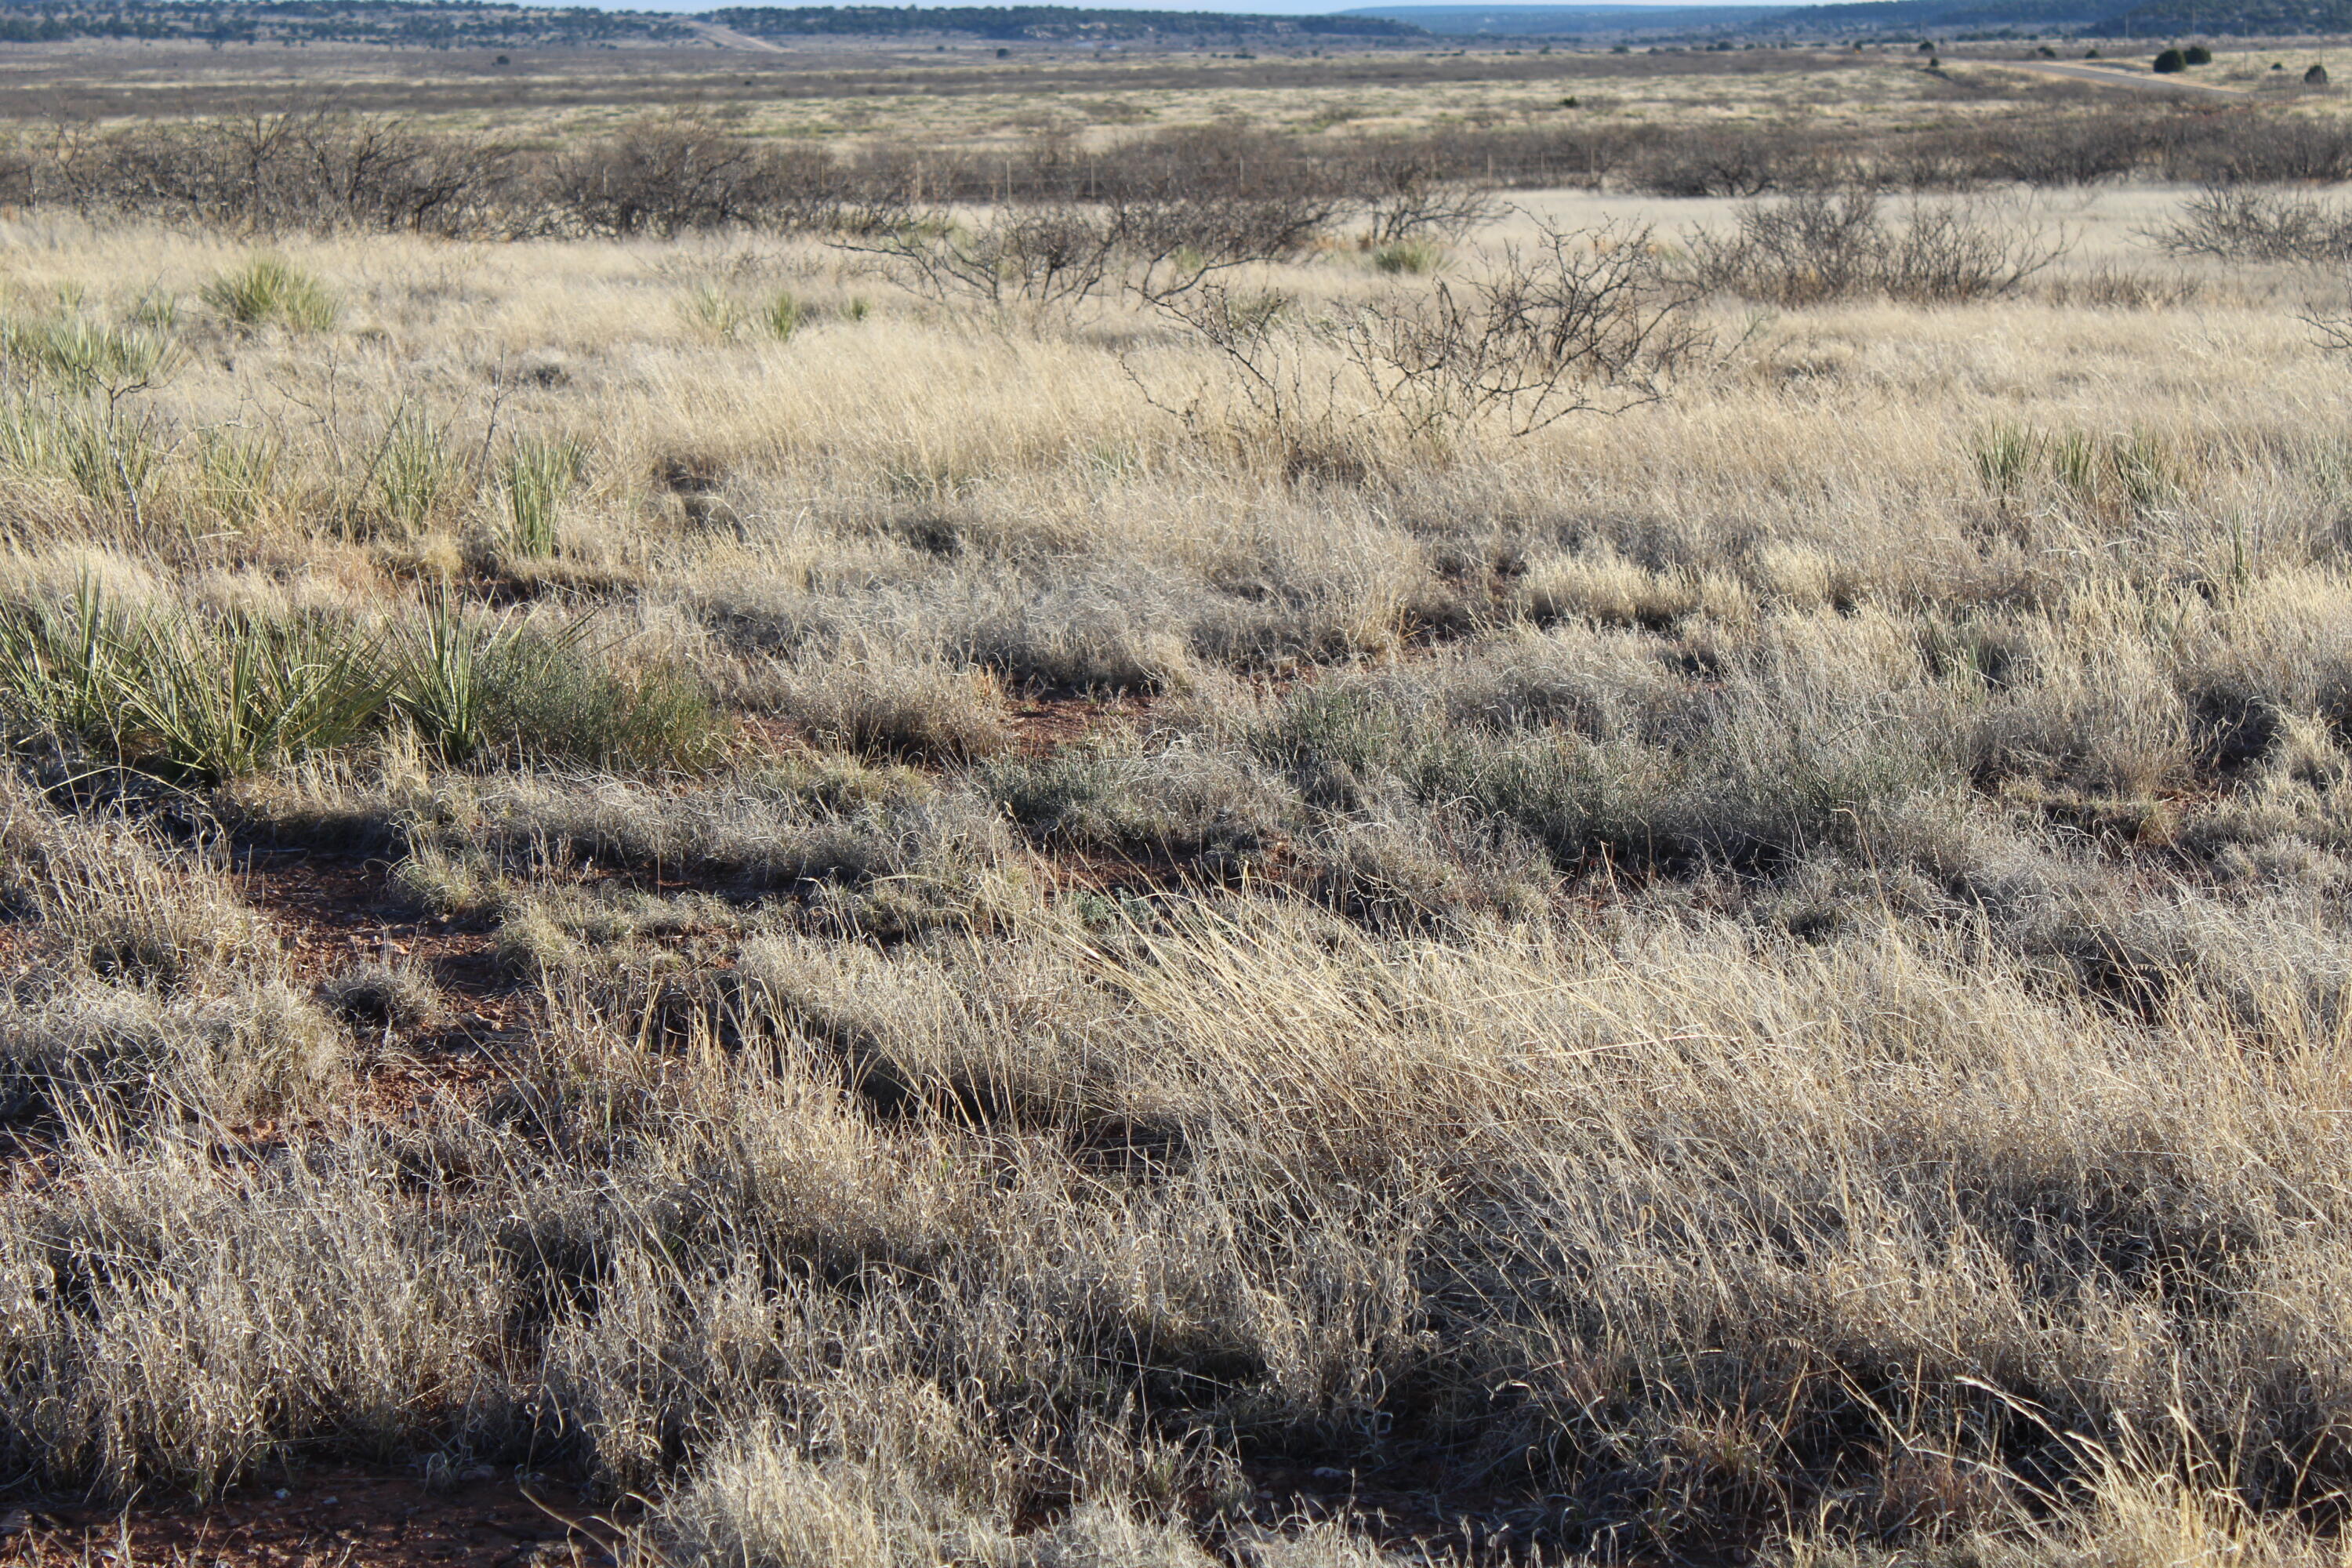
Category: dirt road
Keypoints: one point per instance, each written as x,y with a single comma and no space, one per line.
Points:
2117,76
729,38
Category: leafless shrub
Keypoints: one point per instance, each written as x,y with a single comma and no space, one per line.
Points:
296,168
1413,195
2069,152
1158,244
1584,321
1042,256
1175,238
1814,246
2119,289
660,177
2233,224
1725,165
2255,149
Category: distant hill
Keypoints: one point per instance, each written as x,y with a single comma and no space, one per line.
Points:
1012,23
1858,19
440,23
2238,18
1921,15
1866,16
478,23
1568,21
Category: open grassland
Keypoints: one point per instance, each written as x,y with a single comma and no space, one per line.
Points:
1625,880
856,93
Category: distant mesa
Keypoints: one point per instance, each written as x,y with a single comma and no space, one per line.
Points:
2157,21
473,24
479,24
1044,22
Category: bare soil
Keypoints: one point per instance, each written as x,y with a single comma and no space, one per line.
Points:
346,1517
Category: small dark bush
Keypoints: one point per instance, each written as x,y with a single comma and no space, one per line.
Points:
2169,62
2197,55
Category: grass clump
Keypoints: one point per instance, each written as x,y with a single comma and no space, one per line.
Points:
890,711
270,290
710,311
540,477
411,473
1183,804
783,315
1408,258
83,354
386,995
476,687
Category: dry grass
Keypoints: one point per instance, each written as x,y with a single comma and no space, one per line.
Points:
1764,974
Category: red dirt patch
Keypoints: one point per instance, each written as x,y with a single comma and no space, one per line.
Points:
1043,725
340,1517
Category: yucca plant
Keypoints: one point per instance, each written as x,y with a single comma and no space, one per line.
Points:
2005,455
112,454
269,288
540,475
57,663
156,312
109,453
1414,257
73,414
2143,469
228,698
711,310
238,475
411,473
85,356
2075,461
454,675
185,694
33,433
783,315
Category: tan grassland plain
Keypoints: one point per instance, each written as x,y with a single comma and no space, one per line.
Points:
957,90
841,923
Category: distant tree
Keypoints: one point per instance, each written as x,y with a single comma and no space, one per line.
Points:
2316,76
2198,55
2169,62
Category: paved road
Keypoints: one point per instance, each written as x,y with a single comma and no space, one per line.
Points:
2114,76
